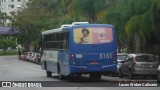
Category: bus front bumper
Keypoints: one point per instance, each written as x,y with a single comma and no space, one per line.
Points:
89,69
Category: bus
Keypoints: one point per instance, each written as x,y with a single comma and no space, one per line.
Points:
79,48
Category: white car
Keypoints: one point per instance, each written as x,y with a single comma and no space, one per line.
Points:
158,74
30,56
37,58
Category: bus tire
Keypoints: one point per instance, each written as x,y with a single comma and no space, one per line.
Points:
61,77
79,74
95,76
49,74
120,74
158,77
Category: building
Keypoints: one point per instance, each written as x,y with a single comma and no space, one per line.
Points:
10,7
8,31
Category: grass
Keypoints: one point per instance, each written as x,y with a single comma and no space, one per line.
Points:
8,53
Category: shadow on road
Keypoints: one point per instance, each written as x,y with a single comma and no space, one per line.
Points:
75,81
79,79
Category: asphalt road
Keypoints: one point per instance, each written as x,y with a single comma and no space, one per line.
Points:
12,69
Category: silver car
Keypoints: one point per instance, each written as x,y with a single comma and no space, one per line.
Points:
30,56
36,58
120,57
158,74
139,65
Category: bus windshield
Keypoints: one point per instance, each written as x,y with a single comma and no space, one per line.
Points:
93,35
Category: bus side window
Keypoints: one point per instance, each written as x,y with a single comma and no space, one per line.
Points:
66,41
62,41
56,41
41,43
45,41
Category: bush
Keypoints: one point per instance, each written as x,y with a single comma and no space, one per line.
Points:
8,53
5,43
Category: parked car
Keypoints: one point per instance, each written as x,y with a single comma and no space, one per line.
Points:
139,64
30,56
120,57
158,74
37,58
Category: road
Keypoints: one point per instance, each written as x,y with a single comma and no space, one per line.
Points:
12,69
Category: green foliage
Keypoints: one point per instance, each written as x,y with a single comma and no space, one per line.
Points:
130,18
89,9
3,18
157,2
5,43
8,53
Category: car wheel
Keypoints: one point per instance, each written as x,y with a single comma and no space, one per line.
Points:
130,74
158,77
120,74
49,74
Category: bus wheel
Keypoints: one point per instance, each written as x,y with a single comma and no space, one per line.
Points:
49,74
158,77
120,74
95,76
61,77
79,75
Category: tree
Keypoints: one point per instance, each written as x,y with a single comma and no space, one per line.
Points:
38,16
136,22
127,14
87,10
3,18
118,13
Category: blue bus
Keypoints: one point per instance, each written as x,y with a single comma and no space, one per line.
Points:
79,48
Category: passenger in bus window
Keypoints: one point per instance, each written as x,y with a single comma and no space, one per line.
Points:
85,37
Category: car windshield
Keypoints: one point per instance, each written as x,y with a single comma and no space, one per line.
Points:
121,57
145,58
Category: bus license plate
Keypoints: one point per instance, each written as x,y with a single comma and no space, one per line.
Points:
94,63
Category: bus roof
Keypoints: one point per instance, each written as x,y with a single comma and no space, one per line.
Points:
52,31
70,26
65,26
93,25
